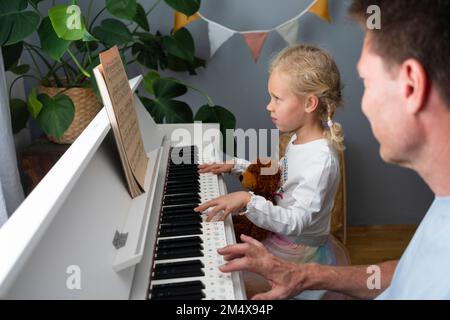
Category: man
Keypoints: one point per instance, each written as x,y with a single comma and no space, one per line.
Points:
405,67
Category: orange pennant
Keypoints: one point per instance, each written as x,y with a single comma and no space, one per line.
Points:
255,42
320,9
181,20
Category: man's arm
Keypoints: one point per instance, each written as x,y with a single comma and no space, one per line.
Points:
290,279
351,280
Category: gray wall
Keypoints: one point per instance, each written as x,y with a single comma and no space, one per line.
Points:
378,193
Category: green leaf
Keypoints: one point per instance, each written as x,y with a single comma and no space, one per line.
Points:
68,23
51,44
19,114
93,84
81,45
156,113
112,32
216,114
188,7
172,111
35,2
141,18
149,79
125,9
34,105
181,45
56,115
7,8
179,65
19,70
166,88
150,52
11,55
13,6
16,24
87,37
163,107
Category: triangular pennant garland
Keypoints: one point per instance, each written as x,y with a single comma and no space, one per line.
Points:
320,9
218,34
255,42
289,31
181,20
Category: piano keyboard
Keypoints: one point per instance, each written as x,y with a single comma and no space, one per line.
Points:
186,261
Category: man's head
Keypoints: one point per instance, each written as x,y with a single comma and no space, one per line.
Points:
406,70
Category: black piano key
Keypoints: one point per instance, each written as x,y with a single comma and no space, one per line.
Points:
195,217
185,195
182,165
176,289
175,201
179,231
191,176
178,270
180,223
172,214
177,189
183,168
194,296
183,182
178,253
182,194
179,242
179,208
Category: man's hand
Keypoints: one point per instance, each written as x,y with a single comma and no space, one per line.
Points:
286,279
216,168
233,202
290,279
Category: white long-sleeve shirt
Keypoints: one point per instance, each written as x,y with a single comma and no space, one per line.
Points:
310,178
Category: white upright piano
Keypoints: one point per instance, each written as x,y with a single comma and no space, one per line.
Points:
79,234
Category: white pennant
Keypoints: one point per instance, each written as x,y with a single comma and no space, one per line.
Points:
289,31
218,34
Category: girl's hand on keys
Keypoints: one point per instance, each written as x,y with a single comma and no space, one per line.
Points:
233,202
216,168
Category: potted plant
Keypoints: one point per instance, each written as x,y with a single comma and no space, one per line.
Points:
63,99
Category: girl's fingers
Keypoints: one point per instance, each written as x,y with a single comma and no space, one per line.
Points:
206,205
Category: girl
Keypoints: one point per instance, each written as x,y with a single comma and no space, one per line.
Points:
305,90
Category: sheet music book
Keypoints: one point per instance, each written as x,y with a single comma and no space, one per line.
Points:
120,106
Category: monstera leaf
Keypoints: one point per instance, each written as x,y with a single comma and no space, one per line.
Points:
181,45
56,114
149,79
216,114
11,56
51,44
149,50
124,9
164,107
112,32
19,114
15,23
141,18
68,23
188,7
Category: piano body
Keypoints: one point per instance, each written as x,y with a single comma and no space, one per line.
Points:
79,234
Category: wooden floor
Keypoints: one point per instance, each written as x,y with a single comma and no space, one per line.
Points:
369,245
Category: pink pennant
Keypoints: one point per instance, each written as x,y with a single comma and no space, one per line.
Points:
255,42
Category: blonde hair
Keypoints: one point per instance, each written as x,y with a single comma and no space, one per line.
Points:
313,72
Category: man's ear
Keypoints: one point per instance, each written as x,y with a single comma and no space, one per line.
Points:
416,85
311,104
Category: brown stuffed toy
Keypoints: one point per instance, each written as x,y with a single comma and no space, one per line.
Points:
261,185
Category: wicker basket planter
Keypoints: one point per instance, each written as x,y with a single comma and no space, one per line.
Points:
86,108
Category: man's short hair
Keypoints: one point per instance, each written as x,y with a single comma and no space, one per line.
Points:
418,29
